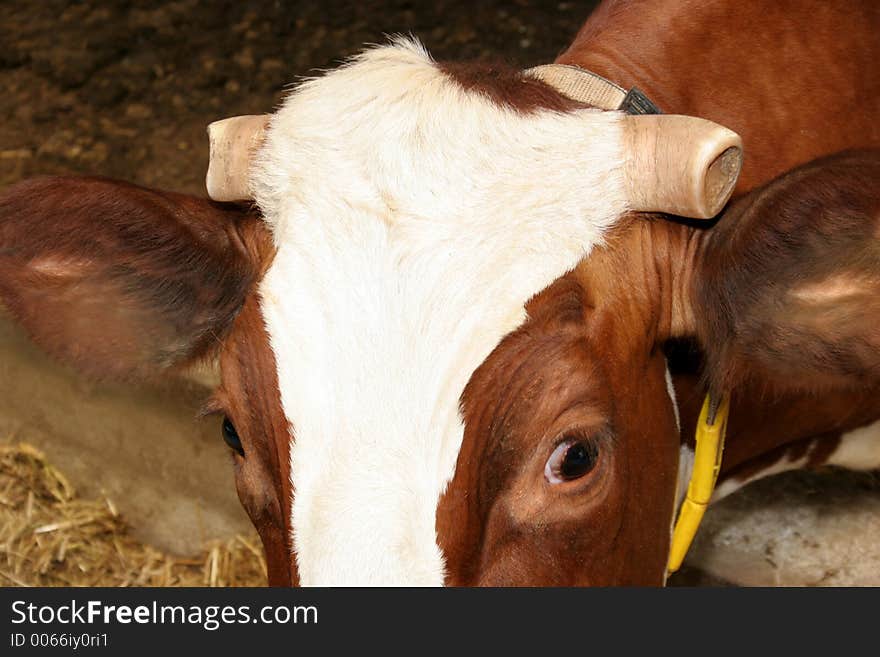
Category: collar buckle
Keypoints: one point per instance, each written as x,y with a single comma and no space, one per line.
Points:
587,87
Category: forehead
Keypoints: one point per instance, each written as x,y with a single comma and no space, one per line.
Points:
394,132
413,216
547,359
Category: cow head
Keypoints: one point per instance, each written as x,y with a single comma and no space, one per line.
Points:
413,393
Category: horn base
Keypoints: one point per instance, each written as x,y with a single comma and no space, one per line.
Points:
233,142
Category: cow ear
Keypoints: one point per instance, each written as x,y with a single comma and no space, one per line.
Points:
787,289
117,280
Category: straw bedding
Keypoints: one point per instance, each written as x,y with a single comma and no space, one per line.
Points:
50,536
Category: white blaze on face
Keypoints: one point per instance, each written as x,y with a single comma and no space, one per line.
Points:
412,220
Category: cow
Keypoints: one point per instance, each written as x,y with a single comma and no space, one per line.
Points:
449,299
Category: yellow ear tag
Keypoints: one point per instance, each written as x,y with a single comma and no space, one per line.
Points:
707,463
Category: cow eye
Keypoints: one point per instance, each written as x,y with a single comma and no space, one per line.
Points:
230,436
572,459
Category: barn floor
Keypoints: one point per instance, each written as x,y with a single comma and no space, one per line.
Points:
50,535
125,88
796,529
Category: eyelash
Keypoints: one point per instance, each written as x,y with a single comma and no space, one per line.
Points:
213,406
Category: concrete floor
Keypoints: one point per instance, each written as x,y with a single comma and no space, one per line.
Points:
794,529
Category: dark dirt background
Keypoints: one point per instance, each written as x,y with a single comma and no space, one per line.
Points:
126,89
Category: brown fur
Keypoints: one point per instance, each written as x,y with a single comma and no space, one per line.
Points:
768,283
119,280
507,86
817,450
500,522
250,397
789,76
125,282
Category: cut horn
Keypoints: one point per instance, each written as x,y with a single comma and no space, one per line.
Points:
680,165
233,143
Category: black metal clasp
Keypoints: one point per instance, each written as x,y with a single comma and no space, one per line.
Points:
635,102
